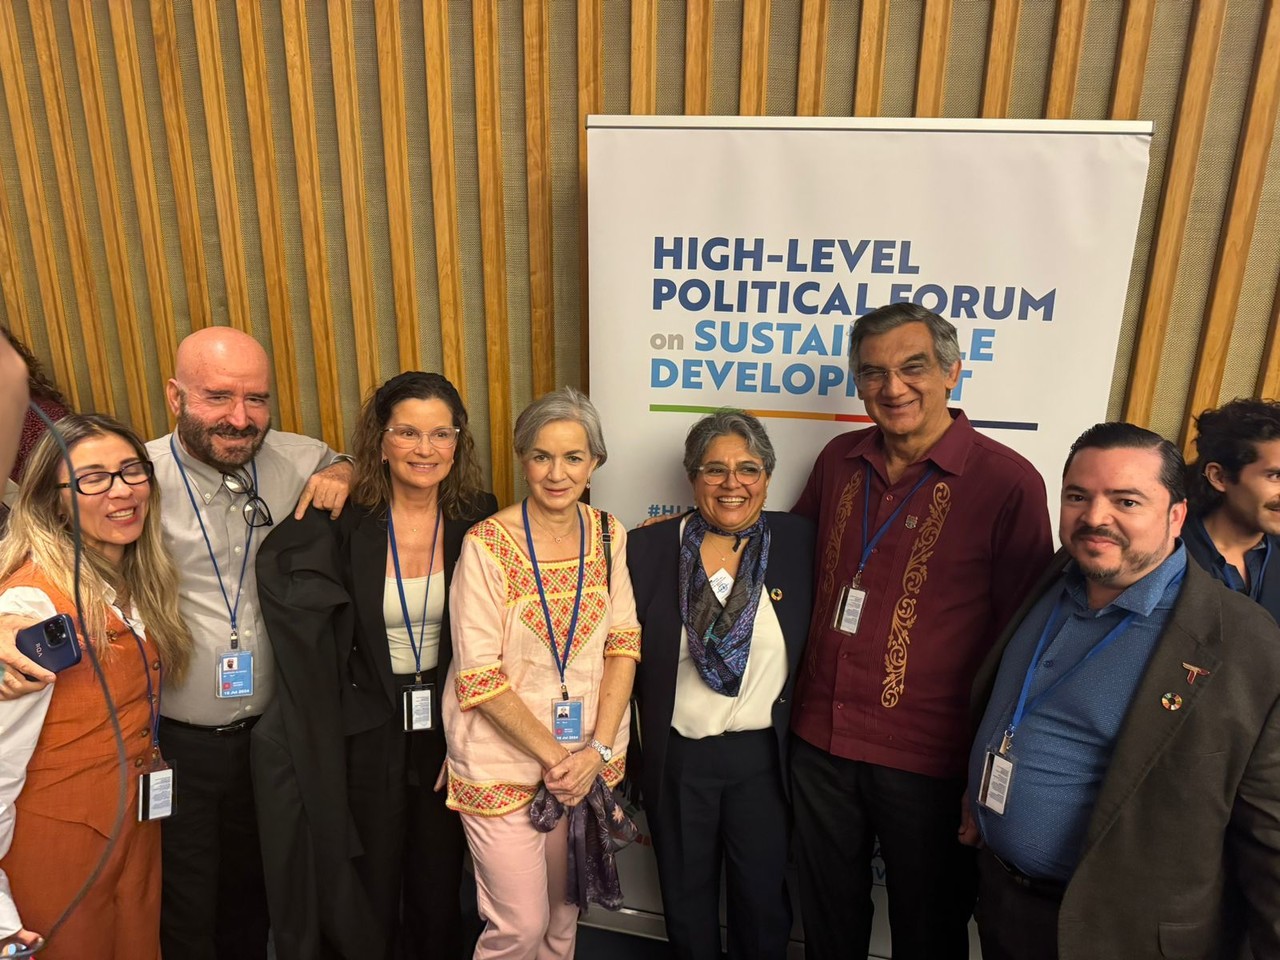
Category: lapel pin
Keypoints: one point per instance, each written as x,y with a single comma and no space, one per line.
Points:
1193,671
775,594
912,521
1171,701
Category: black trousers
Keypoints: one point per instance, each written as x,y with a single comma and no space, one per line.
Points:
841,808
1017,918
213,902
722,803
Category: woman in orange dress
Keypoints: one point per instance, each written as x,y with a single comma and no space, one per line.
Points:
59,763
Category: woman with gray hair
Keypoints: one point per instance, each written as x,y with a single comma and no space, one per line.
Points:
545,645
723,599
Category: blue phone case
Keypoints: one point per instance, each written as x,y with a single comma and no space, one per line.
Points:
51,643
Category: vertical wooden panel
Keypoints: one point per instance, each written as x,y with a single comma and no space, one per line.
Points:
342,47
142,169
226,195
84,37
444,190
697,57
275,267
1237,232
872,40
181,168
813,57
644,56
395,150
1197,81
755,58
15,298
1002,46
88,316
1068,42
537,123
37,208
306,155
590,100
493,241
1269,373
1131,61
932,72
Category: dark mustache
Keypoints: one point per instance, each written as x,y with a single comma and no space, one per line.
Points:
1103,532
235,433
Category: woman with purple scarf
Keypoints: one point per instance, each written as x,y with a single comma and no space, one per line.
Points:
723,597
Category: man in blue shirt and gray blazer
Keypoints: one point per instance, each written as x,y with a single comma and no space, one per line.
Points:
1125,778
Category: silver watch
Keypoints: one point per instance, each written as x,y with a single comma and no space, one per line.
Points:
606,753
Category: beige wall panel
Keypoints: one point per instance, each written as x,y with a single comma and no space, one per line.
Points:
564,177
1032,58
1098,52
844,25
726,59
671,57
784,58
966,58
902,59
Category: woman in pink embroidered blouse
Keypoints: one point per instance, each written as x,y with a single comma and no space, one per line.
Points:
545,645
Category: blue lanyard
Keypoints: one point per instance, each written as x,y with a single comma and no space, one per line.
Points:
416,647
869,545
561,663
153,698
1255,588
1023,706
232,610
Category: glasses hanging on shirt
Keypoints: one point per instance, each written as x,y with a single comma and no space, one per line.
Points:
255,509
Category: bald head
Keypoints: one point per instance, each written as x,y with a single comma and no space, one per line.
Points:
220,393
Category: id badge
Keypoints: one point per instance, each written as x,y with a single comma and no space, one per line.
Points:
155,792
566,720
997,775
418,700
849,609
235,674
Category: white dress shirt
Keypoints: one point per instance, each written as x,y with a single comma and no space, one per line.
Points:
284,463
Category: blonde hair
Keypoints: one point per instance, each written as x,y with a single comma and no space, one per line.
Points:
40,532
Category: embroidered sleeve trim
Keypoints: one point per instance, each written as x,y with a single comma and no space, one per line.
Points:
623,643
490,799
480,684
615,770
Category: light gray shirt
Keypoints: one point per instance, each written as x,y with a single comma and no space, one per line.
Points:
284,463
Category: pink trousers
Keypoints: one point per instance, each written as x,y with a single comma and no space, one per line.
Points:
520,888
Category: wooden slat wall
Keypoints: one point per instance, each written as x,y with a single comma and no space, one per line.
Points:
73,267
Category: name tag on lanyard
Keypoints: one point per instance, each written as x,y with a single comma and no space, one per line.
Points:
235,674
155,792
418,701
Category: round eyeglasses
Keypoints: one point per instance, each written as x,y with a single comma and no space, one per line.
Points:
92,484
745,473
255,509
406,437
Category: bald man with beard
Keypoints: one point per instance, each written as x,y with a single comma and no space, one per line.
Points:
224,477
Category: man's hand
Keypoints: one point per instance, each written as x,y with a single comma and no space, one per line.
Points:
327,489
14,684
570,780
968,834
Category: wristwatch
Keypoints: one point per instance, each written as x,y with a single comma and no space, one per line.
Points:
606,753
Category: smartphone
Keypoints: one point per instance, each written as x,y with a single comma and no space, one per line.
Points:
51,643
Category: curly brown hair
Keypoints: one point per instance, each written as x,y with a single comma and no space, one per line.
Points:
38,383
460,491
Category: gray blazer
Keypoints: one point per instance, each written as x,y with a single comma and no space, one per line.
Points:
1182,853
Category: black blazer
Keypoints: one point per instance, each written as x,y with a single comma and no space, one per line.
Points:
320,587
653,558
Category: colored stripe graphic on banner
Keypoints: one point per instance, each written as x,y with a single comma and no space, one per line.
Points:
829,417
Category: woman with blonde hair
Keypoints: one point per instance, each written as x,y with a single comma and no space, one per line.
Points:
59,765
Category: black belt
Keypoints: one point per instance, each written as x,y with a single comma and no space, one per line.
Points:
240,726
1049,889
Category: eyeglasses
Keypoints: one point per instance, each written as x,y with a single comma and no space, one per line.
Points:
92,484
255,509
745,473
873,378
405,437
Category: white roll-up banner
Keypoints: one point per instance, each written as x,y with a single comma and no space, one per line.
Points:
729,256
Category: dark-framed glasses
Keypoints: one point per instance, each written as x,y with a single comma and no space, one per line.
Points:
717,473
92,484
406,437
255,509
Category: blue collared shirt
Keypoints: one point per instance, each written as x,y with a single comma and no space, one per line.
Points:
1062,747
